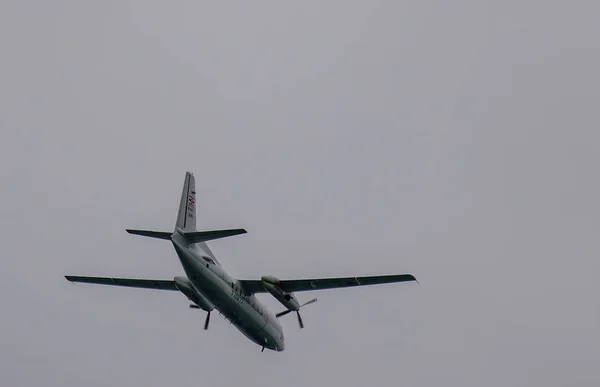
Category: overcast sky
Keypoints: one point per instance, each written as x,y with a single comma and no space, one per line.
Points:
457,141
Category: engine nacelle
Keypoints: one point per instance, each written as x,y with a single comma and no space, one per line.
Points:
287,299
186,287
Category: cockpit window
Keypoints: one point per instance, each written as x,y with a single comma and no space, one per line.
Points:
207,259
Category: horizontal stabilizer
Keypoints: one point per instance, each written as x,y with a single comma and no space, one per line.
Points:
203,236
191,236
151,234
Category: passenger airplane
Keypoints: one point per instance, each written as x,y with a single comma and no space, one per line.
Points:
208,286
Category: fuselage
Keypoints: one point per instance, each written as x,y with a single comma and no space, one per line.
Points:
222,292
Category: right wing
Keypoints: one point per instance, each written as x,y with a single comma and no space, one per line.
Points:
300,285
128,282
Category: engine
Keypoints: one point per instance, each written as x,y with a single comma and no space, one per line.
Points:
272,284
185,287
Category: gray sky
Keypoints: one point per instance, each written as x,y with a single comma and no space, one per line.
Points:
457,141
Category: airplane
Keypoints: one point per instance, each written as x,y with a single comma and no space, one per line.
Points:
209,286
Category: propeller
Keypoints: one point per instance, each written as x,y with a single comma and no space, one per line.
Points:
193,306
300,322
207,320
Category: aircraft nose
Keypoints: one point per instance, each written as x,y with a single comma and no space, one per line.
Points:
280,345
274,343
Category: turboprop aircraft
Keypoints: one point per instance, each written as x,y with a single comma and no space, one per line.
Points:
209,286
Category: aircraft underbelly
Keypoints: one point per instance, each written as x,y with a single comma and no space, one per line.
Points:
244,318
235,309
232,306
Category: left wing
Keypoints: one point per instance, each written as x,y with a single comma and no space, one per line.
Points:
128,282
300,285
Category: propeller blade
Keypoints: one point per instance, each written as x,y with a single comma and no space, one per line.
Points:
283,313
300,320
207,320
309,302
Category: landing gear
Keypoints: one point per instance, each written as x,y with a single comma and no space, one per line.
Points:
263,349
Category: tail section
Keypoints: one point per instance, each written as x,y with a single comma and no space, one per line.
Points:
186,221
186,216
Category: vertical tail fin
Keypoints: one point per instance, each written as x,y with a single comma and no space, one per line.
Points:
186,216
